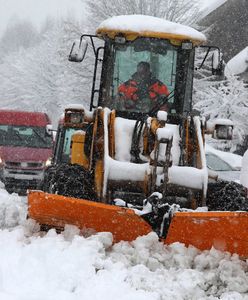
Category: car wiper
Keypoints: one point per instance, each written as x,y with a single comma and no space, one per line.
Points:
17,134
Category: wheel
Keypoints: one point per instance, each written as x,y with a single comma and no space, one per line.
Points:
73,181
226,196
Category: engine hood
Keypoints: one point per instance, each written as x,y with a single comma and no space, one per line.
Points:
24,154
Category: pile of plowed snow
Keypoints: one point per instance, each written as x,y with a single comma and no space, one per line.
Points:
68,266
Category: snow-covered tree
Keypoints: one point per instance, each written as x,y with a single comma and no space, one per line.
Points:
41,78
224,99
182,11
18,34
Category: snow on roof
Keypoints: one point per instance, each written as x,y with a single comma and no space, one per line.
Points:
150,26
238,64
211,5
218,121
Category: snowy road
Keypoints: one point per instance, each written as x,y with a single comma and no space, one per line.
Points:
69,266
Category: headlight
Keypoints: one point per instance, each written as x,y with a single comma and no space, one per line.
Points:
1,161
48,162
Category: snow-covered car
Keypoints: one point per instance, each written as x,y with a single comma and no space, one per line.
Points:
224,165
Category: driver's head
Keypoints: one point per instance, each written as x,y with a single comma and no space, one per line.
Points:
143,70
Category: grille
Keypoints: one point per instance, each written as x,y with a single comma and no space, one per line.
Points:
13,164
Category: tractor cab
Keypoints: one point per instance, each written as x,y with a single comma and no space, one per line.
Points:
167,48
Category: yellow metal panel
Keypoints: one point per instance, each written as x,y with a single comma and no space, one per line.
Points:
77,154
176,39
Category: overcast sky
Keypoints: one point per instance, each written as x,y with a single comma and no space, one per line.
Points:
38,10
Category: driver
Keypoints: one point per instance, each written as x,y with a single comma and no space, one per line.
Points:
142,87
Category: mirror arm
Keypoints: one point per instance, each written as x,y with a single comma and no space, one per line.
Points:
91,40
209,49
204,58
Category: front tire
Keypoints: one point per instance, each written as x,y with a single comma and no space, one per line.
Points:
226,196
73,181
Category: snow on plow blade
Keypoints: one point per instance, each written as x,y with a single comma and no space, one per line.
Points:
57,211
225,231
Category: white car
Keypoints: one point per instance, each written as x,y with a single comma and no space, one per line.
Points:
224,165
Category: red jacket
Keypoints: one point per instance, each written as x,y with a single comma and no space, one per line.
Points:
135,90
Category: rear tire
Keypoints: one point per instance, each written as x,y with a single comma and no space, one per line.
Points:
226,196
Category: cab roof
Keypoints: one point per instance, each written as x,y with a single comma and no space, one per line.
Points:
134,26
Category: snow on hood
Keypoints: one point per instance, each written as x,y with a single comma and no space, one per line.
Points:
234,160
238,64
142,24
24,154
244,170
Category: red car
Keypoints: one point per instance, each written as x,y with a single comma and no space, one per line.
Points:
25,148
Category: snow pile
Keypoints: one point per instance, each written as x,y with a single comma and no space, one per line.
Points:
71,267
143,24
13,209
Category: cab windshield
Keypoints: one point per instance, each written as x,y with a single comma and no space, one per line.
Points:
24,136
126,91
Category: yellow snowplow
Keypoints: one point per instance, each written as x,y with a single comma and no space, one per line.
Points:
135,162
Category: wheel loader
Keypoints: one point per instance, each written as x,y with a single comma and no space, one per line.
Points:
133,169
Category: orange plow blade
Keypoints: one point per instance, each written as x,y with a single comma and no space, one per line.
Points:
57,211
225,231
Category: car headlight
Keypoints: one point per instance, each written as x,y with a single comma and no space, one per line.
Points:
48,162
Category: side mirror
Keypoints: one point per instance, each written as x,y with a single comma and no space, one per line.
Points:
221,129
78,51
49,129
223,132
217,63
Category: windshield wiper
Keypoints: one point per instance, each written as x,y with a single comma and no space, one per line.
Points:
40,137
164,100
17,134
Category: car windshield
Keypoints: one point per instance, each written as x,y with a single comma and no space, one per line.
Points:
216,163
25,136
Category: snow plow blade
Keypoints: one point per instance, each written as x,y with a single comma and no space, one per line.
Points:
57,211
225,231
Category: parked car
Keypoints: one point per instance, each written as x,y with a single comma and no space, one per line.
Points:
224,165
25,148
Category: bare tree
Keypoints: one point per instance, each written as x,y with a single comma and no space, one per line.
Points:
181,11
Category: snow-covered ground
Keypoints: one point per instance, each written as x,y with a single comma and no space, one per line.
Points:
68,266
